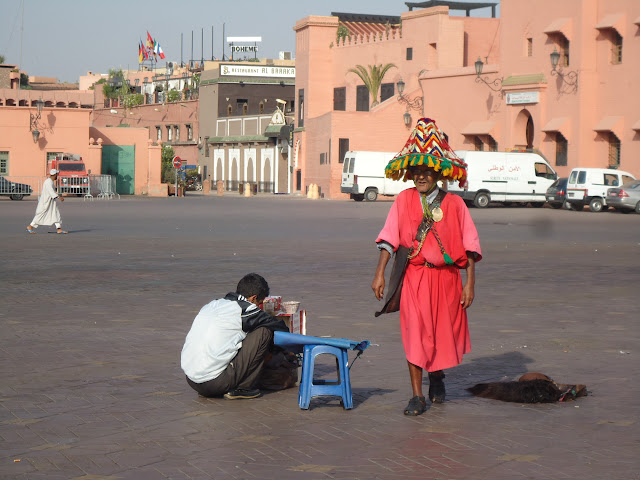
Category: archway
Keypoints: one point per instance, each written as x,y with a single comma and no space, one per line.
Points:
218,174
523,130
250,174
266,175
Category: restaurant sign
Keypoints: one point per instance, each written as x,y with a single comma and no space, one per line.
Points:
517,98
257,71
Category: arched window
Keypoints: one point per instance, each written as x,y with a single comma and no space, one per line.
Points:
229,110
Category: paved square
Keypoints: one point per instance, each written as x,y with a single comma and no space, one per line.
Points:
93,323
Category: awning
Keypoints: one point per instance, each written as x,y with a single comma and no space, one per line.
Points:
636,126
613,20
637,21
279,131
560,25
558,124
273,130
610,124
486,127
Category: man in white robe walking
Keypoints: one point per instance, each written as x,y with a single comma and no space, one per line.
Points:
47,212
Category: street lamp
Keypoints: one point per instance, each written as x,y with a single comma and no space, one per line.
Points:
415,104
497,83
570,78
33,121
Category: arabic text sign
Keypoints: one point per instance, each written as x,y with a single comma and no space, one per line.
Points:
522,97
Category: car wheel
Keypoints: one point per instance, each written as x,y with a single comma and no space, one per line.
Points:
566,205
482,200
16,196
370,195
638,207
358,197
198,187
596,204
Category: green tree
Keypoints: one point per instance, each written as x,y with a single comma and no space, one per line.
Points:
372,78
115,86
173,95
342,32
168,172
1,59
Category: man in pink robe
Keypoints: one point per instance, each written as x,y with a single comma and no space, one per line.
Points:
433,303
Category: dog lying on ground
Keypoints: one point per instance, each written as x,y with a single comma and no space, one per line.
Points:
530,388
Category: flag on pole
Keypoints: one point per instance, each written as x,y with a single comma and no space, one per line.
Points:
140,54
157,50
149,41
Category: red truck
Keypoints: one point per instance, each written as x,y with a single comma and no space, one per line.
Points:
73,177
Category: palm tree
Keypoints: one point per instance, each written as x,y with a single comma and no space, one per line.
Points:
372,78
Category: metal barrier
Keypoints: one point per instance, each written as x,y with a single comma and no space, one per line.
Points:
238,186
102,187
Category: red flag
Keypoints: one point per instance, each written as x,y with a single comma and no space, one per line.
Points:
149,40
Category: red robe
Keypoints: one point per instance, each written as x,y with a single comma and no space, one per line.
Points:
435,333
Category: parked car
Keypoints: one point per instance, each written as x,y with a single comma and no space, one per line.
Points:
15,191
588,186
625,198
556,194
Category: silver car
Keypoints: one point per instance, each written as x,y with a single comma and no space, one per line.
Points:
625,198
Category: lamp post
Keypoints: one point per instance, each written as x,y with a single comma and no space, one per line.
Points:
570,78
33,121
495,85
415,104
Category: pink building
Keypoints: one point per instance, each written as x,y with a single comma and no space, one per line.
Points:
582,112
38,125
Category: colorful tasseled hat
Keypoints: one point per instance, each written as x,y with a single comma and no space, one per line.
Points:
427,145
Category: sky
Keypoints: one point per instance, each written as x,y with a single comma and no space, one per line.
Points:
68,38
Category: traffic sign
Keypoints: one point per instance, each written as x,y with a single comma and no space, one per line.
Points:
177,162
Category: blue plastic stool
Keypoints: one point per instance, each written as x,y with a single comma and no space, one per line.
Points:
313,388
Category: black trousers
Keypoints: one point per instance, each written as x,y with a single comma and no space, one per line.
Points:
245,368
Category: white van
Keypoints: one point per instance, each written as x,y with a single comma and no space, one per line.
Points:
505,177
363,176
588,186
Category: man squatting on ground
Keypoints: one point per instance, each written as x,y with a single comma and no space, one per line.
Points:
225,350
47,212
438,236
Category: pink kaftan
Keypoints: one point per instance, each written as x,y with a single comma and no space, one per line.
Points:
435,333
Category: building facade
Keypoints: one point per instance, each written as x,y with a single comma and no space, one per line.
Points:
488,82
245,123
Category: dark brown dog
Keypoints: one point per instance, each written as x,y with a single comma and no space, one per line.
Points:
530,388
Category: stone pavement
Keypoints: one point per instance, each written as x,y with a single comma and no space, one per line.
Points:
93,323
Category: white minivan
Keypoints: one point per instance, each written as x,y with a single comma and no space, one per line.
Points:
588,186
363,176
504,177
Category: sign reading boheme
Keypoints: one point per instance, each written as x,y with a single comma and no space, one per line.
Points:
257,71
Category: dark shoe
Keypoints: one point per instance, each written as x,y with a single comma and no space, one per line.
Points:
242,393
417,406
437,392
